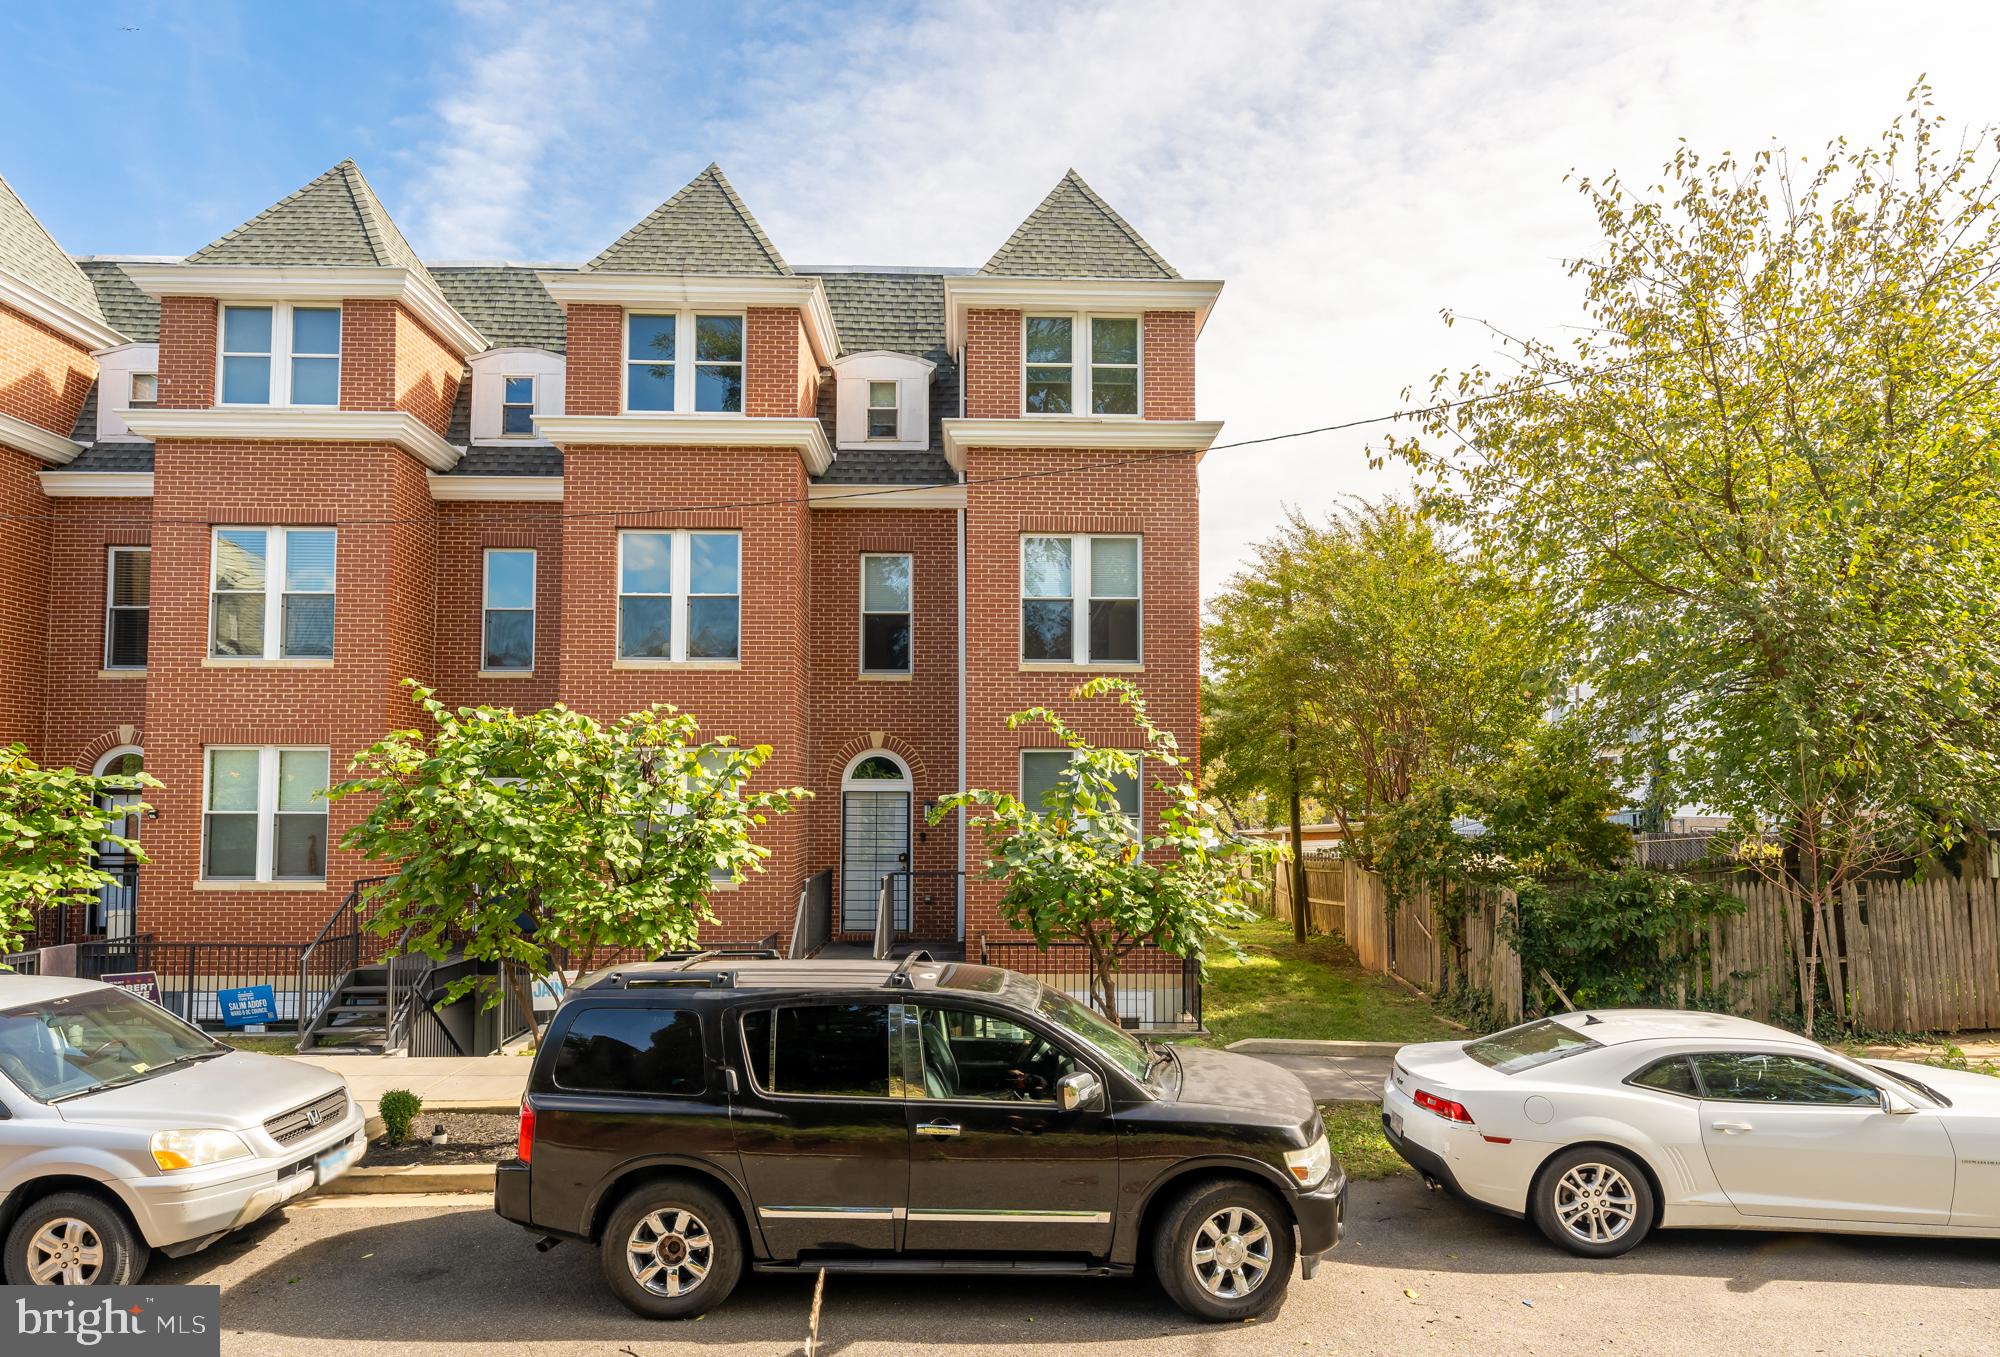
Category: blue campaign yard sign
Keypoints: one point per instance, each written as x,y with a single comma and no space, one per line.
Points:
242,1007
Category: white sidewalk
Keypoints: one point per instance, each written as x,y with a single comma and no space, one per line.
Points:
443,1082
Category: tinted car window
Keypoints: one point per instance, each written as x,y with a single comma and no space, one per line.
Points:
1669,1076
1756,1078
1530,1044
631,1050
823,1050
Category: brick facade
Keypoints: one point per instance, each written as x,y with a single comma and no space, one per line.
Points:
44,376
25,535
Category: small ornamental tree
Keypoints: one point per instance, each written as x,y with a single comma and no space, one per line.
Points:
517,836
53,824
1074,869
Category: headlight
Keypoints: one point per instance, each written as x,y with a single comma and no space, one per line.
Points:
1310,1165
194,1149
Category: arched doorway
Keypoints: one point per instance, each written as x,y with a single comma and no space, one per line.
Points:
874,839
117,900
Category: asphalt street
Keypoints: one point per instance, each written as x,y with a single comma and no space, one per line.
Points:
1419,1273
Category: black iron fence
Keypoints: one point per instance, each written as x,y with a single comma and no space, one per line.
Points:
1155,991
109,913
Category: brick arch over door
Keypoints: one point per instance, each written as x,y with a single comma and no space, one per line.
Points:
836,766
88,756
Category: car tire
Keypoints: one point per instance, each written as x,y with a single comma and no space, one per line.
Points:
1223,1250
672,1250
74,1239
1594,1201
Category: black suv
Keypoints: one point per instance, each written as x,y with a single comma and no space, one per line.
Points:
692,1117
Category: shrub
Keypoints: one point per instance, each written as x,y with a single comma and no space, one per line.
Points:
399,1108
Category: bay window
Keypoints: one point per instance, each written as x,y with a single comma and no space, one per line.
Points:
679,595
660,377
279,354
271,593
1104,380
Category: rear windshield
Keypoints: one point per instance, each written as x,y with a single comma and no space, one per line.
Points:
1530,1044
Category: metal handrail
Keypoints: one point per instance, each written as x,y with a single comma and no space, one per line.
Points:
885,918
349,908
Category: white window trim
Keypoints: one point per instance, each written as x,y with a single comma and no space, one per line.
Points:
267,808
1080,599
486,608
110,594
680,571
861,627
1080,364
684,360
534,396
281,353
276,541
1138,777
868,411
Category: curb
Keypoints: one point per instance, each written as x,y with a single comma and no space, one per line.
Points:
1302,1046
396,1179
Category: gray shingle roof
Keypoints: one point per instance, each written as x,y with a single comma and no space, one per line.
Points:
705,228
336,219
85,429
1075,234
28,252
509,459
114,457
505,302
126,309
900,313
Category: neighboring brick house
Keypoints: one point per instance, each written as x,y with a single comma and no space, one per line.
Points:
860,515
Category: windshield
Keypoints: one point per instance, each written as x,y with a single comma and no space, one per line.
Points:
1117,1045
84,1042
1530,1044
1925,1089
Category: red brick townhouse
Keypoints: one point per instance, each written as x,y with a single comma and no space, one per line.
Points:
859,514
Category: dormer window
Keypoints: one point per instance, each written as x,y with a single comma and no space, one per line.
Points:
658,377
1056,383
882,410
280,355
145,388
517,406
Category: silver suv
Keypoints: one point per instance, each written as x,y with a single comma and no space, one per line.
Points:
124,1130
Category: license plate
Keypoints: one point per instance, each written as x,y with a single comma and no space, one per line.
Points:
335,1162
1396,1123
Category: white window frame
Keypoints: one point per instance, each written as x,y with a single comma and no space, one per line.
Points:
276,540
506,405
281,354
861,626
486,608
1080,598
1138,777
152,379
895,408
111,606
680,570
267,808
1080,365
684,359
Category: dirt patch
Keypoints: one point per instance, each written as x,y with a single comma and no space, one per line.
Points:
470,1138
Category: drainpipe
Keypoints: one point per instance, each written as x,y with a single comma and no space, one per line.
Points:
961,716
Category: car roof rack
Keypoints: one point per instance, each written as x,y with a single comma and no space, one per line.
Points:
900,977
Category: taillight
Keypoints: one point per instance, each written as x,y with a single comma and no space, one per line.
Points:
524,1144
1430,1102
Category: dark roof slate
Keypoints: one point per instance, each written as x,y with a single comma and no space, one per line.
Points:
1075,234
335,220
113,457
30,253
899,313
509,459
505,302
85,428
703,229
126,309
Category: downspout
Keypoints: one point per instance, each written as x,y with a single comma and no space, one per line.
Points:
961,669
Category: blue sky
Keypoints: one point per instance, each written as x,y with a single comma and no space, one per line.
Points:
1349,169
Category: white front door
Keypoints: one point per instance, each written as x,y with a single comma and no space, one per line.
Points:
1793,1137
874,842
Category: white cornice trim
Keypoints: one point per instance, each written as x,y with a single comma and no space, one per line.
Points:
308,283
915,360
678,291
486,489
885,496
96,484
692,431
1074,294
36,441
59,316
292,424
1077,431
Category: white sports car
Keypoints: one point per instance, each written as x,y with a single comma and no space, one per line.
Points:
1604,1125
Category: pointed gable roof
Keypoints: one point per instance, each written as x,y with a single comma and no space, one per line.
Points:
30,254
1075,234
334,220
703,229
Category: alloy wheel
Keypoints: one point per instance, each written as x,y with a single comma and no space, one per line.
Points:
65,1252
1595,1203
670,1252
1231,1254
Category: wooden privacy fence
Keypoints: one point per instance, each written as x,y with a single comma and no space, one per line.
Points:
1326,896
1407,944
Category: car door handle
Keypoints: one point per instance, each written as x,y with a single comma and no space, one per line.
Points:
937,1128
1732,1127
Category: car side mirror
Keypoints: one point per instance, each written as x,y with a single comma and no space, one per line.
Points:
1080,1092
1894,1103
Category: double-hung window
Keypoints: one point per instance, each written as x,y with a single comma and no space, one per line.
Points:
1080,600
263,818
886,587
508,628
679,595
280,354
1041,773
517,406
128,592
1102,380
271,593
659,376
883,416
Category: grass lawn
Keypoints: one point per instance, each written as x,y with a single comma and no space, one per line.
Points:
1354,1131
1280,989
267,1043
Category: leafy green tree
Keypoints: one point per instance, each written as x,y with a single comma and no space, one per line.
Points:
520,836
1762,486
1075,870
53,824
